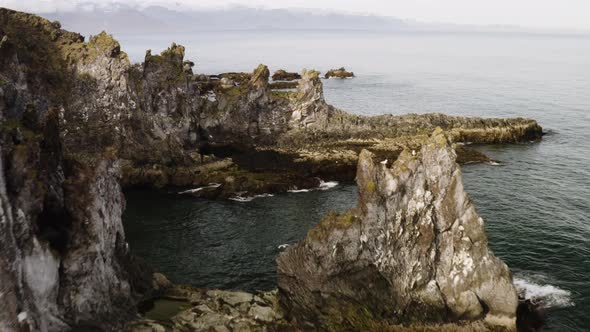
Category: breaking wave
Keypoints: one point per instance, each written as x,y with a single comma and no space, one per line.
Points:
327,185
546,295
196,190
323,186
249,198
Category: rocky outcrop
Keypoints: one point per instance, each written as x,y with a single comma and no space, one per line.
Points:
282,75
339,73
77,119
414,251
65,262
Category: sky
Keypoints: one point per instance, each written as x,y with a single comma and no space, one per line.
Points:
553,14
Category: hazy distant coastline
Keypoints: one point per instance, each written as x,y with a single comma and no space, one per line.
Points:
123,19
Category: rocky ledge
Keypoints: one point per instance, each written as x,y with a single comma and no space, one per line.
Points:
414,252
189,309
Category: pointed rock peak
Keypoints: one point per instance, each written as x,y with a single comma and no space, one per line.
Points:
104,42
310,74
310,87
414,250
169,64
176,51
260,77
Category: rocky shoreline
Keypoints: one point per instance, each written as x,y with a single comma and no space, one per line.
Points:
79,122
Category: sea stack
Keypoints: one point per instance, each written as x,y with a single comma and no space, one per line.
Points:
414,252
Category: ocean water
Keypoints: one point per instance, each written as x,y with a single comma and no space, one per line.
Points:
536,203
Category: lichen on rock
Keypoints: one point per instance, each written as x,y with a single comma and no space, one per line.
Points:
72,111
414,252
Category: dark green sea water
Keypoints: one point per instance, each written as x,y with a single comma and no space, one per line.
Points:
536,204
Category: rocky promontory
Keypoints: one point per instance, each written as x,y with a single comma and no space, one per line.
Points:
414,252
79,122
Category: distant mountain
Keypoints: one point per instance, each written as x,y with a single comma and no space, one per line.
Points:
122,19
91,17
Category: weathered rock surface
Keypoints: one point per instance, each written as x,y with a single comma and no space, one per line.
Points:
64,260
149,114
218,310
77,119
414,251
339,73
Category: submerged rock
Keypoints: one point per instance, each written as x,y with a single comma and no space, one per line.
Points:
339,73
414,251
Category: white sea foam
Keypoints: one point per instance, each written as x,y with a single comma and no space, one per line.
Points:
244,199
323,186
299,191
494,163
283,246
327,185
196,190
544,294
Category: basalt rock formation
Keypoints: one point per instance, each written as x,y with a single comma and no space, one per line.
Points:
78,121
64,260
414,252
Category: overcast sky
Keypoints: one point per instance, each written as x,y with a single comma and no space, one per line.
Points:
565,14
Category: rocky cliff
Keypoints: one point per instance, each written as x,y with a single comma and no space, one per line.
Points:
413,252
78,120
65,262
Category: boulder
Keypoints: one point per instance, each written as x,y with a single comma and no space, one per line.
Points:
226,83
414,251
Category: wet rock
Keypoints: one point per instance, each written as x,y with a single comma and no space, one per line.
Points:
467,155
413,251
532,317
339,73
282,75
160,282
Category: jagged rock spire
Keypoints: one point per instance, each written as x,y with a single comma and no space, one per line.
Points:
414,250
